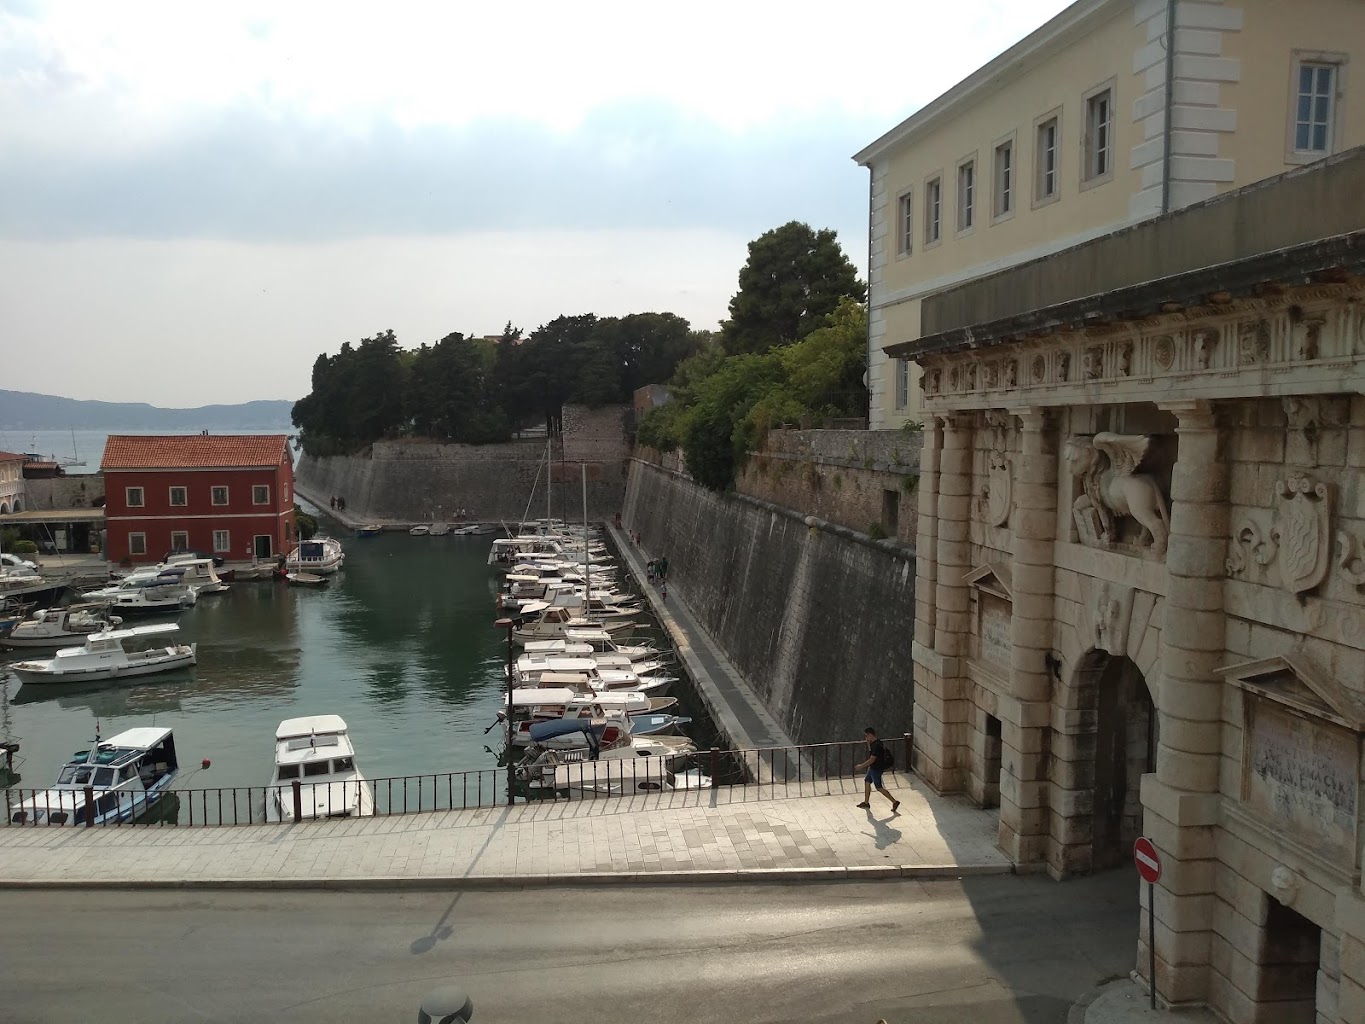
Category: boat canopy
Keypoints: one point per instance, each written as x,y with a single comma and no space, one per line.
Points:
131,631
542,731
532,607
556,663
572,680
313,725
528,696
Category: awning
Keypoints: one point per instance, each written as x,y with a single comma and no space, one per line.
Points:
33,517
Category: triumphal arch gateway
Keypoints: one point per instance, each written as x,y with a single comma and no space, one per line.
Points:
1141,578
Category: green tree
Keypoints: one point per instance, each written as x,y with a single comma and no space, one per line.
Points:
794,278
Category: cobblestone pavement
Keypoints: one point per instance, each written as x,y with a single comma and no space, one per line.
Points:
742,832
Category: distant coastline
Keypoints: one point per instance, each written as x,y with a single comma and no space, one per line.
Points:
22,411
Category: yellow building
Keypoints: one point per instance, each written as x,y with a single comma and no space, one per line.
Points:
1086,127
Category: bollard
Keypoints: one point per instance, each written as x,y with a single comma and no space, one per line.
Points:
715,767
89,807
298,801
908,741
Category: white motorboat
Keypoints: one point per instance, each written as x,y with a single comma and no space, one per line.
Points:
420,531
59,627
102,657
306,579
540,621
439,529
316,752
199,574
530,667
321,556
127,774
158,595
21,584
532,705
589,641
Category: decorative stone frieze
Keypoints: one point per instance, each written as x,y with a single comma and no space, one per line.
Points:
1106,465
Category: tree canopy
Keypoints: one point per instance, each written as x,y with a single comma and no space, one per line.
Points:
793,279
477,390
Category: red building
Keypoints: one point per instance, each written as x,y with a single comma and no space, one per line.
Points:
232,495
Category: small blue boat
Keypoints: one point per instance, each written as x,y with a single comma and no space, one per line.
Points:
645,725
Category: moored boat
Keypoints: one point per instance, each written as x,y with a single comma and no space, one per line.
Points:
102,657
306,579
421,530
126,775
369,530
321,556
439,529
316,752
60,627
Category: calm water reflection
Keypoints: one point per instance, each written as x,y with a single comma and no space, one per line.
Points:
401,645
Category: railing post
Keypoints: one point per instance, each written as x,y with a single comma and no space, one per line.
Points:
715,766
908,741
89,807
298,801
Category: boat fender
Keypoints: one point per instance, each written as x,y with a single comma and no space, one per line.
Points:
204,764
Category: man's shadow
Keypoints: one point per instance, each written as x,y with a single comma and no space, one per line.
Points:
884,835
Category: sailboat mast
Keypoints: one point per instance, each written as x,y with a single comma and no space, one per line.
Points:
587,570
549,479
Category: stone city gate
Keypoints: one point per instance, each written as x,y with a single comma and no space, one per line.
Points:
1141,608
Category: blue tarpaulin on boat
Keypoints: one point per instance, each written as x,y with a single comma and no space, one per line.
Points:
560,727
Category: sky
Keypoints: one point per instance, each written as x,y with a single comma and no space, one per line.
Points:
197,199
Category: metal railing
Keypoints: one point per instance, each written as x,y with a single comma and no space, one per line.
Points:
808,769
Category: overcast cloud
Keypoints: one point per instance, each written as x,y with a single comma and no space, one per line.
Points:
242,189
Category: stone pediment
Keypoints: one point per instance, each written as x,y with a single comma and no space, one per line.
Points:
1296,680
992,578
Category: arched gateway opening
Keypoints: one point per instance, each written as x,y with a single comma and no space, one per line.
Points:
1125,743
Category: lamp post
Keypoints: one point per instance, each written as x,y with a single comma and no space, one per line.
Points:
509,625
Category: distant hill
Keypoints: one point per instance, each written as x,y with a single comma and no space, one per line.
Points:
23,410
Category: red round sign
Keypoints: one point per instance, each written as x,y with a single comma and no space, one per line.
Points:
1147,860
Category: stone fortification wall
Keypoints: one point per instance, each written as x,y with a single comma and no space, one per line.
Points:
409,481
78,490
814,616
865,448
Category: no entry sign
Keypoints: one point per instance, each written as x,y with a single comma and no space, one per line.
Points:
1147,860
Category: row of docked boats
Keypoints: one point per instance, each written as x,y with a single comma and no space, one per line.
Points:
588,706
126,777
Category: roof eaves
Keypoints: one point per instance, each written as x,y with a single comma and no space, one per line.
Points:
995,74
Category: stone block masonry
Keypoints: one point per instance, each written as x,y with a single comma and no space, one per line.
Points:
813,615
410,481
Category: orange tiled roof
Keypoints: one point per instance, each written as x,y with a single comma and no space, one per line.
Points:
11,457
192,451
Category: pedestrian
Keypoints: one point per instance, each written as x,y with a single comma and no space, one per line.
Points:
663,568
878,760
649,571
663,593
618,520
334,502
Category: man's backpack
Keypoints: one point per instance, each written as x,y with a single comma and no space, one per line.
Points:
888,760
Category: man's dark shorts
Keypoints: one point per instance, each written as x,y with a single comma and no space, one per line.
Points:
874,776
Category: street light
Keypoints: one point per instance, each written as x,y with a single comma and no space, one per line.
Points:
509,625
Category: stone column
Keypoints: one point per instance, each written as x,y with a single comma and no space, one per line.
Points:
1023,721
1181,799
926,541
944,715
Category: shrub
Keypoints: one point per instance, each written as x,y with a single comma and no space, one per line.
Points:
24,547
876,531
909,482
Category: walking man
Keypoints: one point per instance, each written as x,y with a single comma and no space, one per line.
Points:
878,760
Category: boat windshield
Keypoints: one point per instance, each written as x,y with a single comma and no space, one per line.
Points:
85,775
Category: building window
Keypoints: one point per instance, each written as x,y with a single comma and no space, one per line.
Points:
221,541
1315,108
1099,134
137,543
288,530
219,495
260,494
133,495
905,224
933,211
179,496
966,195
1046,187
286,493
902,383
1004,179
180,540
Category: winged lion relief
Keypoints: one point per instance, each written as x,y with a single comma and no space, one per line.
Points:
1106,465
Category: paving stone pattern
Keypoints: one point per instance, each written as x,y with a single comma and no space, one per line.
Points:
729,830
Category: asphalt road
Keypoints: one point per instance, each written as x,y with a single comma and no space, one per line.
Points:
997,950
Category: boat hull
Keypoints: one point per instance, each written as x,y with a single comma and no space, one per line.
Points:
161,660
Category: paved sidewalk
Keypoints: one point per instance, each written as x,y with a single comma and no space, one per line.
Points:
728,833
1127,1002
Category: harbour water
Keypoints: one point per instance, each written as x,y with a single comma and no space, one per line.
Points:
402,645
87,446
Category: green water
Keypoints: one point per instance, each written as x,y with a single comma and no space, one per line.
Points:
401,645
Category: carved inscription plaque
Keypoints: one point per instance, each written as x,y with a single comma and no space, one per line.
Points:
995,630
1303,774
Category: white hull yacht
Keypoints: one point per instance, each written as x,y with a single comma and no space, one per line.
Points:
316,752
127,774
321,556
60,627
102,657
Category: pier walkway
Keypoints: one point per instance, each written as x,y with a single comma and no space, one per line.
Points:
713,835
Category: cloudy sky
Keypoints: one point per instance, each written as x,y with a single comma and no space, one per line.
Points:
196,199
